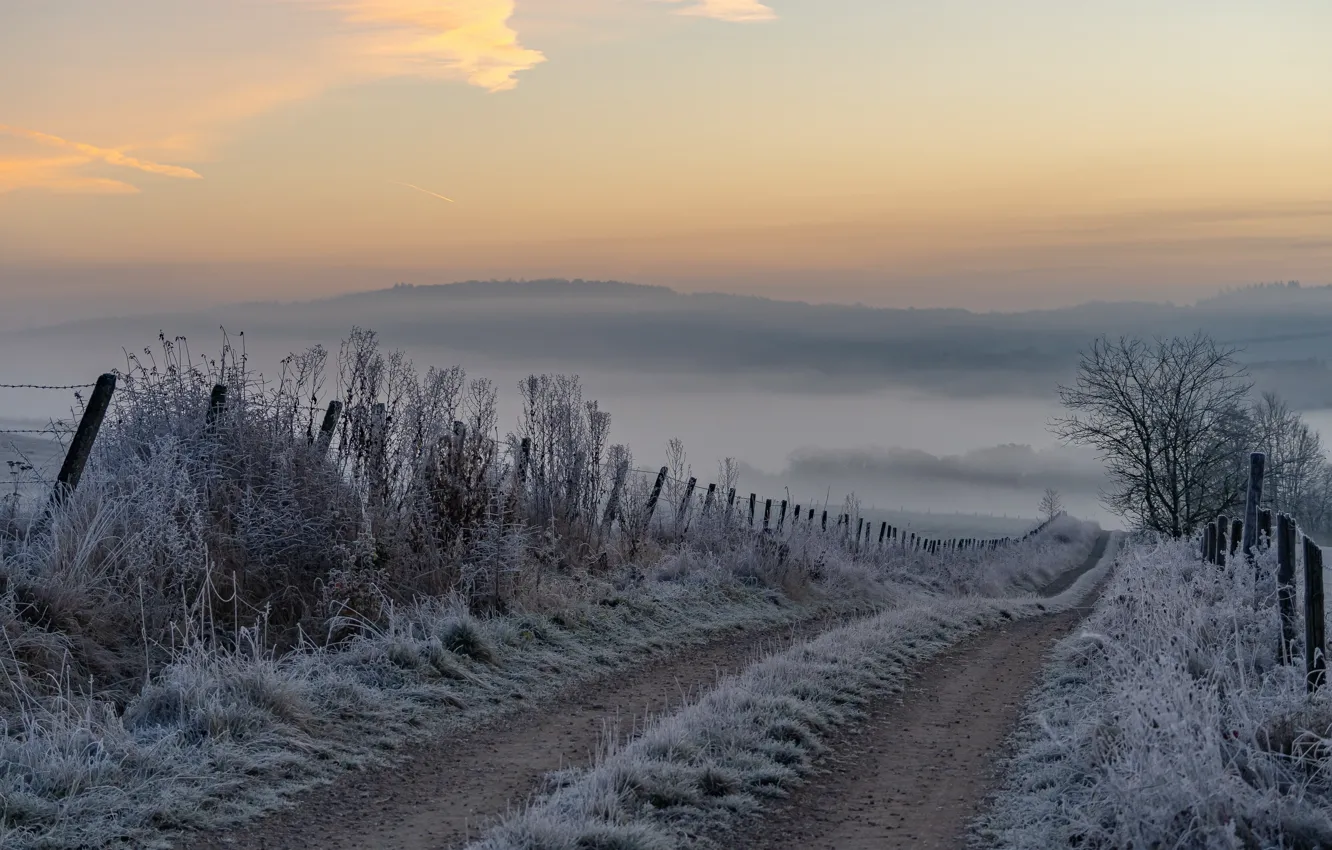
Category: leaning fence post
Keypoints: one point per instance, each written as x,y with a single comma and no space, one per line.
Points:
653,497
328,426
883,532
81,446
781,517
708,500
825,522
684,503
1315,662
1286,584
730,503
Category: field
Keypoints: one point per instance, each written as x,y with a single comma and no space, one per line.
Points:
247,596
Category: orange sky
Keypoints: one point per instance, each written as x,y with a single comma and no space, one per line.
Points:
841,149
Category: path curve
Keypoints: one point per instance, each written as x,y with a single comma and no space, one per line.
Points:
916,772
452,787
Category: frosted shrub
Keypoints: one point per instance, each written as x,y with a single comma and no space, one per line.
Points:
1169,723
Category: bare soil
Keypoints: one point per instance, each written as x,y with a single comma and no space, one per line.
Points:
451,788
918,770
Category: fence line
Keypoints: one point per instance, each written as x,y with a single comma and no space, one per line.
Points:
1225,537
608,508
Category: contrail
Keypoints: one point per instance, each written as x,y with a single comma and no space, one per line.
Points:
427,191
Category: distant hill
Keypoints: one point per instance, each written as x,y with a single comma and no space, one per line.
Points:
587,325
548,287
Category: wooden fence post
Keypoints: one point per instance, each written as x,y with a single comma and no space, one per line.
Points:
1257,462
781,517
708,500
217,403
1236,534
684,503
1265,528
860,526
730,502
617,488
825,522
1209,542
1286,584
80,448
1315,662
651,506
753,502
810,521
767,513
524,458
883,532
460,441
328,426
1222,529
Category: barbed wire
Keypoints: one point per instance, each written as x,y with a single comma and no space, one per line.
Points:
37,430
46,386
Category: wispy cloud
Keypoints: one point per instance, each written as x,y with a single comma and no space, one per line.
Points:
468,39
737,11
66,173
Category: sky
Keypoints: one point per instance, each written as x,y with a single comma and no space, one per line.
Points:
956,152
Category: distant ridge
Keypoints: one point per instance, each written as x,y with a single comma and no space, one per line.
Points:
1290,291
520,288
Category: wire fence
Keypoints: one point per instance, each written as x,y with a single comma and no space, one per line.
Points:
636,499
1228,538
46,386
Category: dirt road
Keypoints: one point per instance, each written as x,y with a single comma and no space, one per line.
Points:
449,789
918,770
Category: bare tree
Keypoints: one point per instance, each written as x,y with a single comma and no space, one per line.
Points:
1170,421
1052,504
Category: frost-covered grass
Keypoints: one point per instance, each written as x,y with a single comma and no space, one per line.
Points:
220,733
691,774
1168,721
228,609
